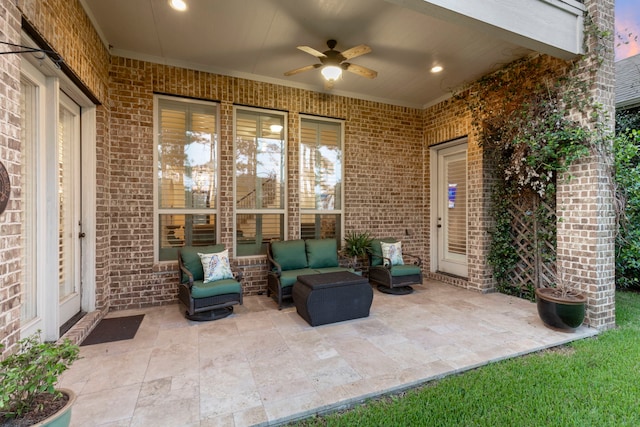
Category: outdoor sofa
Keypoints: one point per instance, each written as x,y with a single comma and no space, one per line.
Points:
292,258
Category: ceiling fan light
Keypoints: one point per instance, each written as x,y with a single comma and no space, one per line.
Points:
331,72
178,5
275,128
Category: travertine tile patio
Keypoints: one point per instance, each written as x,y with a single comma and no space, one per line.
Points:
262,366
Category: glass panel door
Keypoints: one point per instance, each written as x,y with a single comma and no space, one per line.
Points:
69,208
452,210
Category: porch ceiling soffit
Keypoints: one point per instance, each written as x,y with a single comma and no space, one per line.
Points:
554,27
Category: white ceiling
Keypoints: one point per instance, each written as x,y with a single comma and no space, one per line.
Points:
257,39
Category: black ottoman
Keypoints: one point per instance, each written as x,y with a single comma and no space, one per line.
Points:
332,297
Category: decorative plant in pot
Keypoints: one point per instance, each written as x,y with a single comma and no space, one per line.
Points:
560,307
357,246
28,377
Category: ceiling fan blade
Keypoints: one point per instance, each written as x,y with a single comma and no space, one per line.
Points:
302,69
356,51
312,51
361,71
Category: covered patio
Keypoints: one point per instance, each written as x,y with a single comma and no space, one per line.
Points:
262,366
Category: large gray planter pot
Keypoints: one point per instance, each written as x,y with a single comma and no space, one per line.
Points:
556,312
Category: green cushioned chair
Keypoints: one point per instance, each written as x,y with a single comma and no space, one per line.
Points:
393,279
206,301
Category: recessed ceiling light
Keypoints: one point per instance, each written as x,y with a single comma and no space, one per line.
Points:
178,5
436,69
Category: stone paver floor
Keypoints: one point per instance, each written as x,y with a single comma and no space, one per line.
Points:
264,366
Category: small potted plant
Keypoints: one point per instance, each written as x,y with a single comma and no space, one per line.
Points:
28,377
357,246
559,306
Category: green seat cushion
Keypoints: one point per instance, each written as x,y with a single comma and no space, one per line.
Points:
290,254
288,278
376,250
405,270
212,289
191,260
322,253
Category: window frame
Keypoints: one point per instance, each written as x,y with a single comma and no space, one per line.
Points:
285,177
341,211
157,211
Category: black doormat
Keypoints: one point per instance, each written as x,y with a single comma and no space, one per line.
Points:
114,329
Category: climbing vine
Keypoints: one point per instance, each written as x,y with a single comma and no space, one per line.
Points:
529,117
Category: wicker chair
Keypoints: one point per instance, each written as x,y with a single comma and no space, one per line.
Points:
393,279
206,301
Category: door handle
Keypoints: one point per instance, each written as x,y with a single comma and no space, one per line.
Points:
81,235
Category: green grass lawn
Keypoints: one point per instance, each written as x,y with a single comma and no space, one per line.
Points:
592,382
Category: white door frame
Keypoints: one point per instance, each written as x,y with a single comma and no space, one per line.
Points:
53,81
436,200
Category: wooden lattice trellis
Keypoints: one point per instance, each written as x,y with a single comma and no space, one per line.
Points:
533,233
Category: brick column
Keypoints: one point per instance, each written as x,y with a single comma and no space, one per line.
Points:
586,226
10,219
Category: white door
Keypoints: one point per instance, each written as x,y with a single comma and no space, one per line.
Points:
68,161
451,209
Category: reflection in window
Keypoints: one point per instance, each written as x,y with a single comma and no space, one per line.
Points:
320,178
187,159
259,179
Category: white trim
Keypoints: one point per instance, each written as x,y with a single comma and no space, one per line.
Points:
49,254
554,27
89,210
37,79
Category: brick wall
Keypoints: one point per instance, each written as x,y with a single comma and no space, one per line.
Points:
66,27
586,236
10,253
383,169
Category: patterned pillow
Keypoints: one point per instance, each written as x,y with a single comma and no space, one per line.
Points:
216,266
393,251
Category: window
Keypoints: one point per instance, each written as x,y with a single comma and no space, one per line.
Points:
187,175
320,178
259,179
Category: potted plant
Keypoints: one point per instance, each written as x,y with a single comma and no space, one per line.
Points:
357,246
28,377
560,307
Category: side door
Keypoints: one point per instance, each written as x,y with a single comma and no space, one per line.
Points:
451,209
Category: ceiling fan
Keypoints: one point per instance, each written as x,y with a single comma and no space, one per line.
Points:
333,62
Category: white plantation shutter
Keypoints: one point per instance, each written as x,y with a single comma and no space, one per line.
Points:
259,179
67,238
187,179
320,178
457,210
